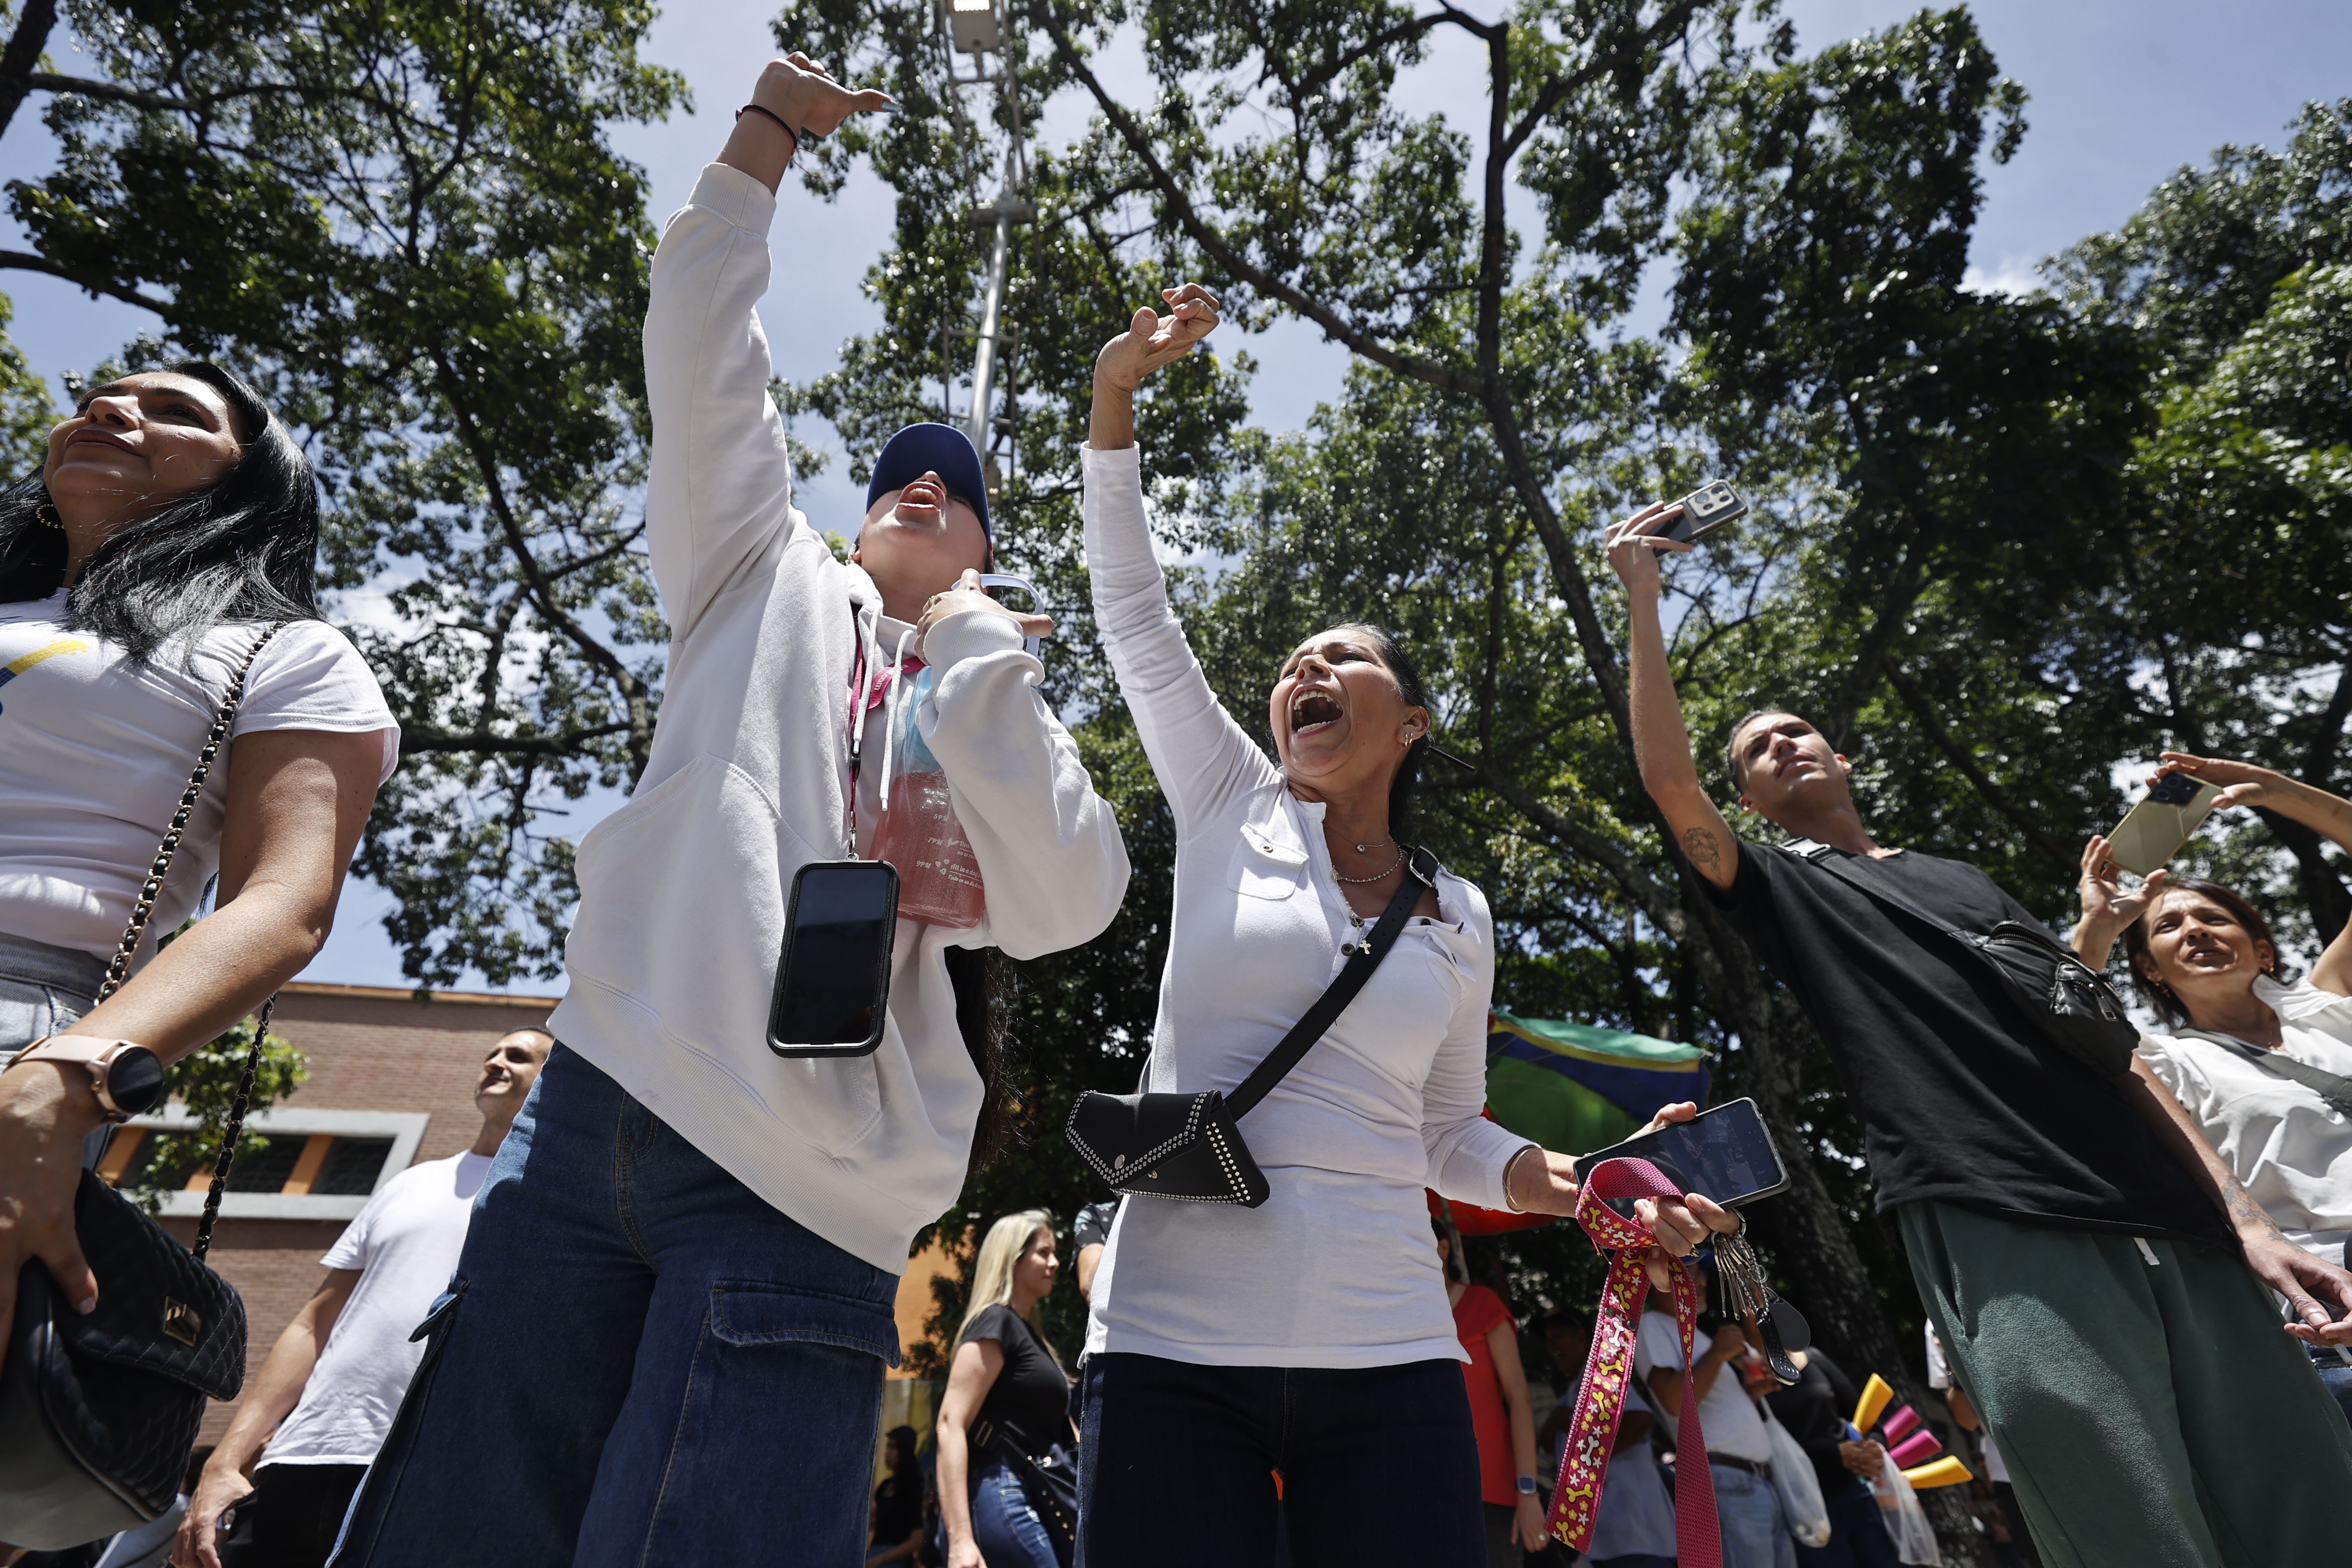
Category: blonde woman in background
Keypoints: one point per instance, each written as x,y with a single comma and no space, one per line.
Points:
1007,1394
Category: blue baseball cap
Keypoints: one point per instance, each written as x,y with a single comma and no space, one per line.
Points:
935,448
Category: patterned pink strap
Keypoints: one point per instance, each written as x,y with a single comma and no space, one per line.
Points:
1584,1457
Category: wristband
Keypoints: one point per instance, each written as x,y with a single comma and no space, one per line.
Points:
798,136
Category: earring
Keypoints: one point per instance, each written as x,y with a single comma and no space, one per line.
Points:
48,512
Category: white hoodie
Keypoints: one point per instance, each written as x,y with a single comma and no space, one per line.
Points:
674,951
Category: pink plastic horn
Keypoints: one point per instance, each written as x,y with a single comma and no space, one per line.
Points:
1900,1425
1917,1449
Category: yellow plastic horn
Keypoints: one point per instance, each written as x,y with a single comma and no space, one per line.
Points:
1947,1471
1876,1396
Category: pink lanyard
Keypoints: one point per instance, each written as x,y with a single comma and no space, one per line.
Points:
1593,1436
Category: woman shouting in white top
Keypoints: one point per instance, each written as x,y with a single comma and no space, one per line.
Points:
1298,1357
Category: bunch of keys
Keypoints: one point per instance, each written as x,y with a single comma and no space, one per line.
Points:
1740,1276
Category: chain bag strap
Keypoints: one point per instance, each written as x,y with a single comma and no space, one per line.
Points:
118,968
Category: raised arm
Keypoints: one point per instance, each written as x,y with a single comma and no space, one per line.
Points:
719,498
1660,739
1197,751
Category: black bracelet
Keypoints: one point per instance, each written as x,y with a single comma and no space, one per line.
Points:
763,109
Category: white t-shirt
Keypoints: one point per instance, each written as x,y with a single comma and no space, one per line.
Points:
95,750
1733,1425
2292,1150
405,1244
1939,1375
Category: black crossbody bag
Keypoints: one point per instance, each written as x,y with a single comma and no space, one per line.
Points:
2071,1003
1185,1145
99,1411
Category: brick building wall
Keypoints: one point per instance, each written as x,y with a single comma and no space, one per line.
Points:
371,1050
397,1055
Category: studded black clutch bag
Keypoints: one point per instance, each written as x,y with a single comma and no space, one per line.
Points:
1185,1146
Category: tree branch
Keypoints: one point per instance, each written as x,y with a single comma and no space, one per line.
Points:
25,260
23,53
417,742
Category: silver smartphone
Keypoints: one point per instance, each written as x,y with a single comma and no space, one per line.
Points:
2152,832
1705,509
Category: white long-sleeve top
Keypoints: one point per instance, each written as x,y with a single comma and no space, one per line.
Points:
673,955
1338,1268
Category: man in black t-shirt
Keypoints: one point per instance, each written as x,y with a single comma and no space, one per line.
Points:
2093,1261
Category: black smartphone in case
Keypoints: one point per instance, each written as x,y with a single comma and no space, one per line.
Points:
833,978
1705,509
1724,1154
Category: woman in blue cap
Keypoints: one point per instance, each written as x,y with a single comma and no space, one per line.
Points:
664,1341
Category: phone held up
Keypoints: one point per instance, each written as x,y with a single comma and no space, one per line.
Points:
1705,509
2153,831
833,981
1724,1154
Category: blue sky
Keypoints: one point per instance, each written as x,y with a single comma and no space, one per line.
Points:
2122,92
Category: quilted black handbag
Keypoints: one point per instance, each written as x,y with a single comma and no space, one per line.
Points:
99,1411
1186,1146
2068,1001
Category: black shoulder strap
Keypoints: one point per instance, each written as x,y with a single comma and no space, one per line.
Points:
1821,855
2335,1091
1422,871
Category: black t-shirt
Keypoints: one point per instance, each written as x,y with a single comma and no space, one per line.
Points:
1030,1400
1814,1411
897,1508
1961,1098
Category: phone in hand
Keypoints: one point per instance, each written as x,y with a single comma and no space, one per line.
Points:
1037,604
1705,509
2152,832
833,981
1724,1154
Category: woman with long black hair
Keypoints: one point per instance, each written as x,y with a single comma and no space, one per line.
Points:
1298,1359
167,543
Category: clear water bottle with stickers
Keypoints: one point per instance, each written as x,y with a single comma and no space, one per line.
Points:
939,877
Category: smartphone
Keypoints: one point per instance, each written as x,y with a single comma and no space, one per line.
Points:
833,981
988,580
2153,831
1705,509
1724,1154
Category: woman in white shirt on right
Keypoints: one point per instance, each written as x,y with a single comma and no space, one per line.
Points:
1299,1358
2205,960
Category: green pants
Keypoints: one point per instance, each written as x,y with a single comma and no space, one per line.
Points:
2151,1417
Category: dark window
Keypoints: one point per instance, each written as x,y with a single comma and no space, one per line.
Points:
351,1167
266,1171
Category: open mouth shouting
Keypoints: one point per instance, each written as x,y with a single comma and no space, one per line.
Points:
920,501
1312,710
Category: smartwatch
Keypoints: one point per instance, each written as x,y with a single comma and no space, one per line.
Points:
1527,1486
127,1079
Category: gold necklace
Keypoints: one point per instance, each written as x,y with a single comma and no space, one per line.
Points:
1380,875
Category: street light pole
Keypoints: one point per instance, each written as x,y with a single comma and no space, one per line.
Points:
973,28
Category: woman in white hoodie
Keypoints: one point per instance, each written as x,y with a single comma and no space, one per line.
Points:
1299,1358
665,1340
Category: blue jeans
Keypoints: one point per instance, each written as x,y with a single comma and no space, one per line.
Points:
2337,1377
1177,1464
1004,1526
638,1361
1858,1537
1755,1535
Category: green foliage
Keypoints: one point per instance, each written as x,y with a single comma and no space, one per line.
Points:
206,1081
26,409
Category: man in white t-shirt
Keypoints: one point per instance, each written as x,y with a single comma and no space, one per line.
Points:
334,1380
1738,1448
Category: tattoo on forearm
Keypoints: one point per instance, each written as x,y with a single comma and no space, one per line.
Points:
1700,844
